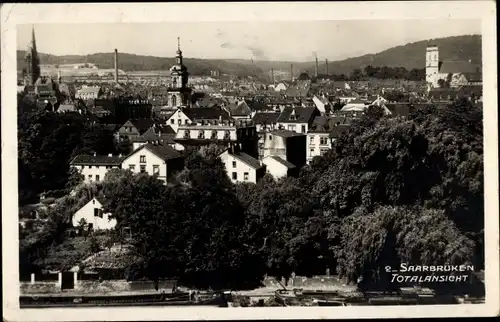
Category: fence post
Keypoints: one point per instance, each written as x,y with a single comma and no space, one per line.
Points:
75,279
32,278
59,279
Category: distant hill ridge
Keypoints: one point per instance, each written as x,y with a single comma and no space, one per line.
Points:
409,56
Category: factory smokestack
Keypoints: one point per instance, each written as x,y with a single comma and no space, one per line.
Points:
316,68
326,67
116,65
291,72
272,75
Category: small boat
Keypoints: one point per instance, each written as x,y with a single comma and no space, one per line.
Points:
288,297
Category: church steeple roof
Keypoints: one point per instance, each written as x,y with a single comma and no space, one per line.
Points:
179,51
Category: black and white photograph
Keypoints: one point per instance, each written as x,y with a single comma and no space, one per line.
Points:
239,160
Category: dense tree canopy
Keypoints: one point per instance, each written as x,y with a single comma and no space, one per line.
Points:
390,190
48,142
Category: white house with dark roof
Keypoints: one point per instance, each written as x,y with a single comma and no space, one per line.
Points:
278,167
95,218
94,167
297,119
241,167
154,159
178,118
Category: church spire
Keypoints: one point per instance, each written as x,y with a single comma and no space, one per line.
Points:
33,41
179,51
32,59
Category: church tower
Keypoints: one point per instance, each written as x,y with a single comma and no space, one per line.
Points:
179,94
32,60
432,65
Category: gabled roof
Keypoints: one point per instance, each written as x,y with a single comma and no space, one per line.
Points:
142,125
247,159
85,159
206,113
283,162
265,118
296,114
322,124
239,109
164,152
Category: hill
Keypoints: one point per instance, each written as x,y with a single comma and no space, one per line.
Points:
410,56
132,62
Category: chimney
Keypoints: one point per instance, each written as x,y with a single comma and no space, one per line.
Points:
291,72
116,65
326,67
316,68
272,75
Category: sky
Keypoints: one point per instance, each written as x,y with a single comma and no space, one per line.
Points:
284,41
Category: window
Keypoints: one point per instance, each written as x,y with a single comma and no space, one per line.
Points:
172,121
97,177
131,167
323,140
186,134
186,122
214,134
201,134
90,167
143,168
303,129
234,164
156,169
291,128
143,159
311,151
323,151
227,135
245,176
235,176
97,212
174,101
179,121
311,139
90,177
270,137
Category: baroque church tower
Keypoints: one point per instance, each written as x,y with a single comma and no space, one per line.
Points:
179,94
32,61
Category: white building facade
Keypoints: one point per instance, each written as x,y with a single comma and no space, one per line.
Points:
92,213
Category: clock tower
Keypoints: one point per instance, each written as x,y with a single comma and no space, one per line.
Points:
178,93
432,65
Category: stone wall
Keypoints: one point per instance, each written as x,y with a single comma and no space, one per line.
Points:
93,286
39,287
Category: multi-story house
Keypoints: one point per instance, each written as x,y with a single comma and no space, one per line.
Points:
177,118
242,167
264,122
220,132
297,119
94,167
318,137
287,145
133,129
154,159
